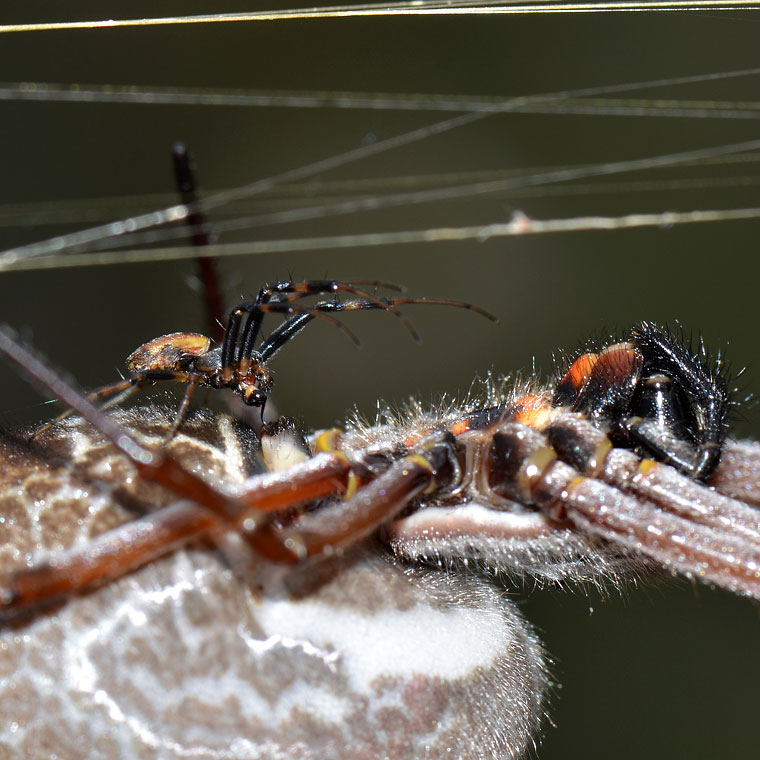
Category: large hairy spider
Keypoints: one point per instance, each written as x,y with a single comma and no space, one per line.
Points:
620,466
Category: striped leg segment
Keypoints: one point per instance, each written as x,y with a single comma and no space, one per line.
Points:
683,537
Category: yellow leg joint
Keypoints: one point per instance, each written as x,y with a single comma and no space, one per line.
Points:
596,462
419,461
352,486
534,468
328,441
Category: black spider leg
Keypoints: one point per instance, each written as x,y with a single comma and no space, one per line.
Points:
706,398
284,333
292,326
231,355
279,298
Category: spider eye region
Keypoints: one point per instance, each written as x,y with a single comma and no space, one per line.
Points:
168,352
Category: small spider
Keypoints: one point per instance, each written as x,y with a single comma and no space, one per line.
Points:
238,364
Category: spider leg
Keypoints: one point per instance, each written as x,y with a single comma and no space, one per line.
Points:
284,333
469,521
721,547
291,327
509,539
320,476
676,542
118,551
121,397
587,449
182,411
345,523
125,387
106,557
286,293
738,474
442,302
299,311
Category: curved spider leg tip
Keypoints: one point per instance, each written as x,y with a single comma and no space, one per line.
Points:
389,305
391,286
447,302
348,333
483,312
416,337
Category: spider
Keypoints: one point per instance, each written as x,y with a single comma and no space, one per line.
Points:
237,364
543,463
527,482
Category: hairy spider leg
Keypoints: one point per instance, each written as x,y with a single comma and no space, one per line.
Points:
662,354
133,544
687,536
430,466
105,558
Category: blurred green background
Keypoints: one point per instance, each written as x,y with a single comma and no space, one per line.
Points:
669,671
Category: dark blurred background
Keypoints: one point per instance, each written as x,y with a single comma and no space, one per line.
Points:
663,672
